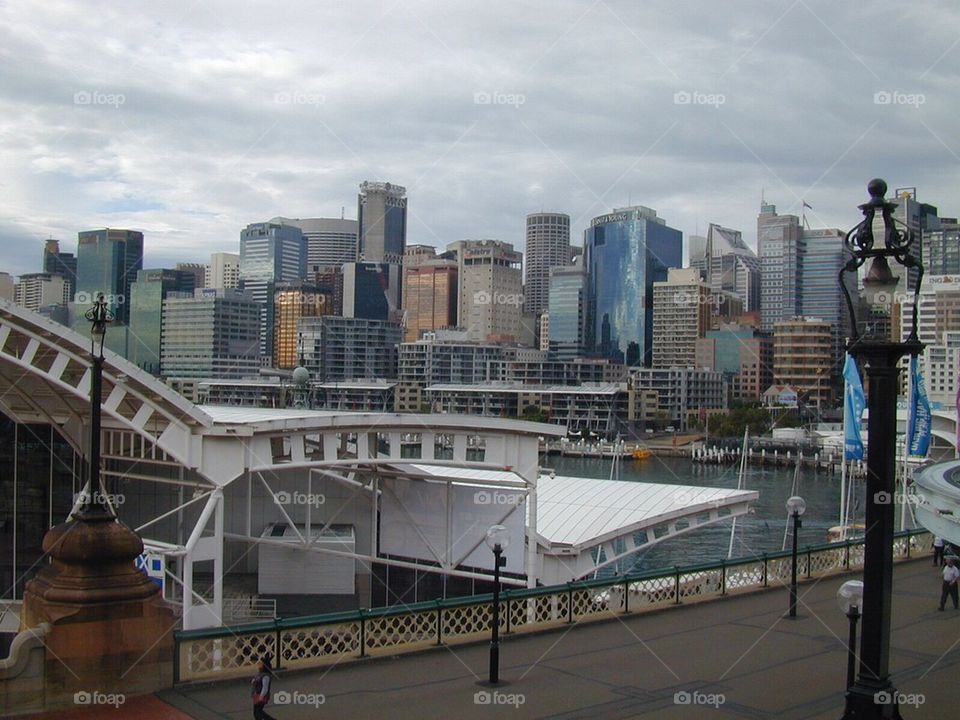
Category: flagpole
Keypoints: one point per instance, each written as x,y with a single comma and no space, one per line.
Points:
843,465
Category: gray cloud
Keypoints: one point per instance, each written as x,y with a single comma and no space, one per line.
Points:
201,118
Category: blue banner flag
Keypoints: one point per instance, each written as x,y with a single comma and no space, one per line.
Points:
918,426
853,405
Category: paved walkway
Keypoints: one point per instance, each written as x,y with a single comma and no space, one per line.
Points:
732,658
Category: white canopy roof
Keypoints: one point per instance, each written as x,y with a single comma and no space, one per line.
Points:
584,512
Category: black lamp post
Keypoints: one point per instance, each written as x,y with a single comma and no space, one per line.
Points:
850,596
498,537
796,506
94,503
871,343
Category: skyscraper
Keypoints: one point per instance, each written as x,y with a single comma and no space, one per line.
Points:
382,221
370,291
491,290
146,313
198,270
210,334
727,264
270,253
37,290
223,271
429,293
61,263
819,291
548,246
107,262
566,307
681,316
802,357
293,301
330,241
625,252
779,244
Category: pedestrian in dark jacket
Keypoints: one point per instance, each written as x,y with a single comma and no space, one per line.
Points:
260,690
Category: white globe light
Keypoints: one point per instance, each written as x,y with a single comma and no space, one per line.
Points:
850,595
498,535
796,504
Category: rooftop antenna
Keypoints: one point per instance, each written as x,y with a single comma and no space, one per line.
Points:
343,210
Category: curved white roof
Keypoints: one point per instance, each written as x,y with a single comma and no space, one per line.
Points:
584,512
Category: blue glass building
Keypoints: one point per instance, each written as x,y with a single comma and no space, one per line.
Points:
107,262
625,253
270,253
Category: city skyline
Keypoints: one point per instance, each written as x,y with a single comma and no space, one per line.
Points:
192,123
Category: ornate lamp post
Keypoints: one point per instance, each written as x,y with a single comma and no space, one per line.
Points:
796,506
94,503
498,538
850,596
871,343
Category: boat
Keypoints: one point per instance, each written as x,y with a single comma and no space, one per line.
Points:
840,533
641,454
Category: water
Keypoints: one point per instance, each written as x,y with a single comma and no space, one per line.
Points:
759,532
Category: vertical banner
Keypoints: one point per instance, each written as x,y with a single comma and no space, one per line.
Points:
918,425
853,405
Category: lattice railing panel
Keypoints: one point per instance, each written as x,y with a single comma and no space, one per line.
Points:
470,619
394,630
211,656
307,644
656,591
744,576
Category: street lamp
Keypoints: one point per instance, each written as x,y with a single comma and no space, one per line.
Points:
850,596
796,506
93,503
871,343
498,538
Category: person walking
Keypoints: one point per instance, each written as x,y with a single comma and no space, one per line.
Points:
260,689
938,544
950,576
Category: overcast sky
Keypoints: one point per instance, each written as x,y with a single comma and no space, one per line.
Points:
188,120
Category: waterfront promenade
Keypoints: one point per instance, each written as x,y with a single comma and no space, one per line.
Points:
738,657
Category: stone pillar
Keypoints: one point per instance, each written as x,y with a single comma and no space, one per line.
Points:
110,630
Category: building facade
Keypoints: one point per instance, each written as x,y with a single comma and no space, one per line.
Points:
223,271
548,246
270,253
335,348
681,393
625,253
743,354
291,302
107,262
330,241
146,313
803,358
212,334
779,245
37,290
382,222
490,306
61,263
429,295
728,265
566,330
682,314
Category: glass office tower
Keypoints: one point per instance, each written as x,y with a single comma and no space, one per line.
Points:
625,252
107,262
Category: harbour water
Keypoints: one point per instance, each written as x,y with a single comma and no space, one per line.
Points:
761,531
